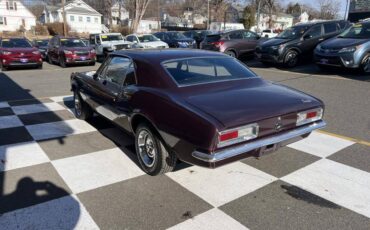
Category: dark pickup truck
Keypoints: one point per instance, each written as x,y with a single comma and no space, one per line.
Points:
201,107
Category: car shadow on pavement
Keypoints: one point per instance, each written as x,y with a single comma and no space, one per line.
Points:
307,67
32,194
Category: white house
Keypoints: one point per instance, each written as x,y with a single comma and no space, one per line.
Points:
116,8
79,16
147,26
14,15
279,21
304,17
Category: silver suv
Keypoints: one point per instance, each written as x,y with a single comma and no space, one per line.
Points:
108,42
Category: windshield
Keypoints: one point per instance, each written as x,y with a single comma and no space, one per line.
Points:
16,43
176,35
42,42
148,38
72,43
206,70
293,32
108,38
360,31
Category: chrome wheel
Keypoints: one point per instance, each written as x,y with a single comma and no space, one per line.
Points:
231,54
147,148
291,59
78,107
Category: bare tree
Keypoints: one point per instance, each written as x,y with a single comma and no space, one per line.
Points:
328,9
138,8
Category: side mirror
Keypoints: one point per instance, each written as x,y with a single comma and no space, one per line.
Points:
57,46
307,36
95,76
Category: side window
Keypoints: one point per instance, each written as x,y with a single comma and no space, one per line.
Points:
129,38
330,28
97,38
236,35
116,69
92,40
315,31
130,76
249,35
160,36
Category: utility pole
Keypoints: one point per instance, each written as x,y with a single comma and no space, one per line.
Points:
64,19
208,18
258,16
159,15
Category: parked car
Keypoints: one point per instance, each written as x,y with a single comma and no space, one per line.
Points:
107,43
351,49
297,42
42,45
146,41
66,51
201,107
18,52
176,39
197,35
268,33
233,43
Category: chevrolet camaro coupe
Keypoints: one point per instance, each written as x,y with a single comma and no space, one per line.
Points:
200,107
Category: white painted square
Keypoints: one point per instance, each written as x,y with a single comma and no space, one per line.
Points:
9,122
63,213
213,219
90,171
59,129
4,105
21,155
336,182
62,98
321,145
37,108
222,185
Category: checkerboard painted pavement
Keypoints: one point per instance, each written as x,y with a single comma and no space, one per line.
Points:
57,172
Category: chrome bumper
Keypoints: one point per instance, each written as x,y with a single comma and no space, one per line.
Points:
241,149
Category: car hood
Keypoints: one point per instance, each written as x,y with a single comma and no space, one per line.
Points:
122,42
338,43
274,42
154,44
241,105
19,50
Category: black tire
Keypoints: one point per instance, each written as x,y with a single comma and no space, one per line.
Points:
231,53
50,61
92,63
3,68
62,62
39,66
162,160
291,59
82,110
365,64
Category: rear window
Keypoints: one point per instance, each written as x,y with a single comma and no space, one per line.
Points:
206,70
15,43
213,38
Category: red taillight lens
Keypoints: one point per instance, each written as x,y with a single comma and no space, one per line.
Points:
229,136
218,43
309,116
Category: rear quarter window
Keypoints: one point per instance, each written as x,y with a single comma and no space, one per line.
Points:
213,38
330,28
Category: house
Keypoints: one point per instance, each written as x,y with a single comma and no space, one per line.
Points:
148,26
116,16
80,17
279,21
304,17
171,21
14,15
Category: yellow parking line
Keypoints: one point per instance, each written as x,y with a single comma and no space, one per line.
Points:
362,142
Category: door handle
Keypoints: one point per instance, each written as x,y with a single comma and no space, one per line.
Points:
104,82
321,39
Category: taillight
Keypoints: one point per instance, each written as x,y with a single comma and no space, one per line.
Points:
309,116
36,52
237,135
68,52
218,44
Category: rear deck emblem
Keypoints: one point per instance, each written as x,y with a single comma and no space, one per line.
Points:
278,125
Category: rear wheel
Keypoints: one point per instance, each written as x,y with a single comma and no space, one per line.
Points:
81,109
231,53
3,68
62,62
50,61
92,63
152,154
365,66
291,58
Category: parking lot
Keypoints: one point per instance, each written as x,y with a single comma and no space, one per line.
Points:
57,172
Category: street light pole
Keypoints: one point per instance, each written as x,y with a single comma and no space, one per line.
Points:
208,14
64,19
258,15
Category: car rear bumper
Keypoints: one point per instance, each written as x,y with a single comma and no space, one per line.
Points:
268,144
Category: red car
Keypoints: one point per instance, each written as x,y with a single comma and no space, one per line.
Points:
18,52
204,108
68,51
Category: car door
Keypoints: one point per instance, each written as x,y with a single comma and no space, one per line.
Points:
330,29
310,39
108,86
249,42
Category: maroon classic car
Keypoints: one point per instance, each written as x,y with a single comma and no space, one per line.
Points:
200,107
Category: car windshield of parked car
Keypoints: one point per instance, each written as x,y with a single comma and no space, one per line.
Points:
360,31
194,71
72,43
176,35
15,43
293,32
148,38
109,38
42,42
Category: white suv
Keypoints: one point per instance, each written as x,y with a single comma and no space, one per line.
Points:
146,41
108,42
